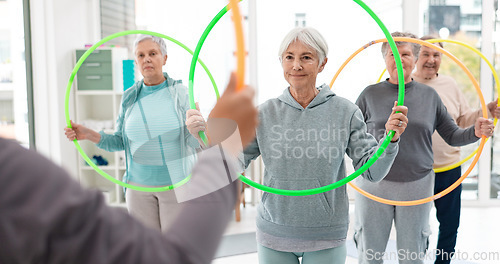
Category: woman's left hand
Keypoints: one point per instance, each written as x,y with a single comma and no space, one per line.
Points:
195,122
484,127
397,121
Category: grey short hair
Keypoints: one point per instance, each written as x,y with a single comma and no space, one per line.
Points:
415,47
161,43
310,37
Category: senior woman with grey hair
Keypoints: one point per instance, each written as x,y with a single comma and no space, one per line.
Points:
159,149
411,176
302,137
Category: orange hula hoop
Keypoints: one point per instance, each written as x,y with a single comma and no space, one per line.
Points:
483,138
240,45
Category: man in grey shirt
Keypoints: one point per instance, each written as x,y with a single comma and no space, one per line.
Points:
46,217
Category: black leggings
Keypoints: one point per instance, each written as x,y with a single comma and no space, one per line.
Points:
448,214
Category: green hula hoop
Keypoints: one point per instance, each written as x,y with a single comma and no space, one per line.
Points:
363,168
66,107
196,54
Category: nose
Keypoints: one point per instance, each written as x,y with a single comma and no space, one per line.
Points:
403,62
296,65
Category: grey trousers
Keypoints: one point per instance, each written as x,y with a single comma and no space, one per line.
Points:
373,221
154,209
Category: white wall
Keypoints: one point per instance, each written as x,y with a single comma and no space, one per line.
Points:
58,27
185,21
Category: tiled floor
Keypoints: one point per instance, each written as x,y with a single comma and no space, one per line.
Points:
478,238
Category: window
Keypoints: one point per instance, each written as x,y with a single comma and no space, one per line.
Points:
13,88
117,16
300,19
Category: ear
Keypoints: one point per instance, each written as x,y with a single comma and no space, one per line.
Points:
165,59
323,65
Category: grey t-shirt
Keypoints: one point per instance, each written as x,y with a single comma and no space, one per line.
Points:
426,113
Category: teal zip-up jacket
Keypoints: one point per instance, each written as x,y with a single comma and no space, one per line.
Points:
119,140
304,149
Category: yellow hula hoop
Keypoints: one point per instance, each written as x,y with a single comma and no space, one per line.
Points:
497,82
381,75
481,145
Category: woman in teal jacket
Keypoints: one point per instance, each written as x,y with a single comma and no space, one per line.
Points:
150,129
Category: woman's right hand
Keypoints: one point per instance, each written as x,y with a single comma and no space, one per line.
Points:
80,132
397,121
195,122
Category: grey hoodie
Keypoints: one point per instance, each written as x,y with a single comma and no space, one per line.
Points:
304,149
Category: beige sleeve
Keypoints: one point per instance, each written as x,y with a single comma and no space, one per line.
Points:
467,116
